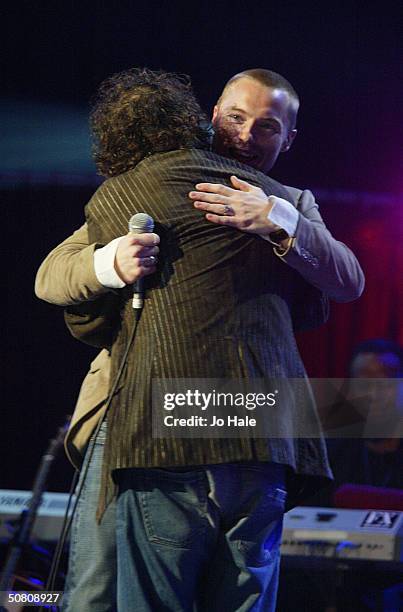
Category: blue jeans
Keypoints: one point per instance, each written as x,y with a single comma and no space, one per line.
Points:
204,539
91,577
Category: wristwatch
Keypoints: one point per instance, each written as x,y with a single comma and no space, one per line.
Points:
277,237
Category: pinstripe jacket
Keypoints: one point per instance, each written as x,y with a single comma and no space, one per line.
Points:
222,305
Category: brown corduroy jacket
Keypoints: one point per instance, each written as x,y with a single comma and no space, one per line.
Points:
222,305
67,276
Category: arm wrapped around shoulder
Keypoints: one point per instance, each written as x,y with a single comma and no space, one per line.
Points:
67,275
323,261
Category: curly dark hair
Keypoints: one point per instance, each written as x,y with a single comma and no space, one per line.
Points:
139,112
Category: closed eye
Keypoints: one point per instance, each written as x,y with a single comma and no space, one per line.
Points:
269,126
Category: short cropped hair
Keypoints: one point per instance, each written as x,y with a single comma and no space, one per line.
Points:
271,79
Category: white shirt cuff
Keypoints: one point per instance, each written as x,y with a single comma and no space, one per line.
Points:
283,214
104,264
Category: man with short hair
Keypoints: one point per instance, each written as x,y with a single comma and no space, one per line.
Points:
255,118
374,461
279,222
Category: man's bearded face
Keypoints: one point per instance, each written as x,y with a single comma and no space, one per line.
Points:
251,123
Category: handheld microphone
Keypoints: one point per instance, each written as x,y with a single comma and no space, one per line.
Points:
141,223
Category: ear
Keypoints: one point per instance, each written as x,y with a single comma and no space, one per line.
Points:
215,113
288,141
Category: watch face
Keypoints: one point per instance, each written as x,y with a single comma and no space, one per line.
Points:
278,236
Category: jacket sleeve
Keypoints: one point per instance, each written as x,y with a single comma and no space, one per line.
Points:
95,322
323,261
67,275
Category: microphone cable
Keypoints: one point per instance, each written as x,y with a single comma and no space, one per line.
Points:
67,521
138,223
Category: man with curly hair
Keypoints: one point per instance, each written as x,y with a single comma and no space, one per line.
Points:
201,521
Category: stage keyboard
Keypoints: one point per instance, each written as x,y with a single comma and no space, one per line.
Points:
343,534
308,532
49,518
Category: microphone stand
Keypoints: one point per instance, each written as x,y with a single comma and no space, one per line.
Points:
21,536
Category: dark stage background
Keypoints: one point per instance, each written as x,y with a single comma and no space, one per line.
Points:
343,58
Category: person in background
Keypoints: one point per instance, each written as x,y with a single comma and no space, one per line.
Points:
373,461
